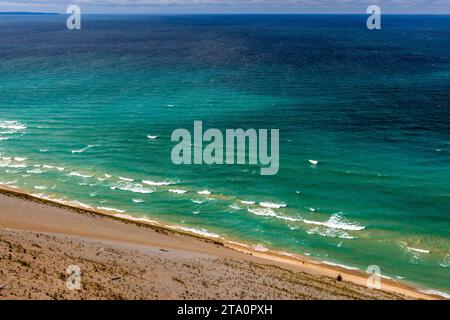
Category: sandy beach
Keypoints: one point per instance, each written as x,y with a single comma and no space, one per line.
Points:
122,259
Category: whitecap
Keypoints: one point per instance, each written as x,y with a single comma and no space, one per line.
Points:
132,187
414,251
40,187
90,146
235,207
155,183
247,202
138,200
126,179
152,137
78,174
331,233
419,250
204,192
270,213
263,212
272,205
46,166
178,191
337,221
313,162
12,125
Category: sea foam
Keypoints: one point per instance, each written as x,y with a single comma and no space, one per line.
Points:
79,174
201,232
82,150
12,125
272,205
266,212
337,221
331,233
132,187
156,183
178,191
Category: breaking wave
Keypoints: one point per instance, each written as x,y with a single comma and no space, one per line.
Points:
337,221
132,187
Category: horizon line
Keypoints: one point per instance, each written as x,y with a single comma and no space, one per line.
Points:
218,13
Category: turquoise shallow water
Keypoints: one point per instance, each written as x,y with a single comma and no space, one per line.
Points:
372,107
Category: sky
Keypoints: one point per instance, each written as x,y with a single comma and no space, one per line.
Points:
228,6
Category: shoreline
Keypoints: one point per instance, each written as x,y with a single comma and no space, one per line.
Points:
284,259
